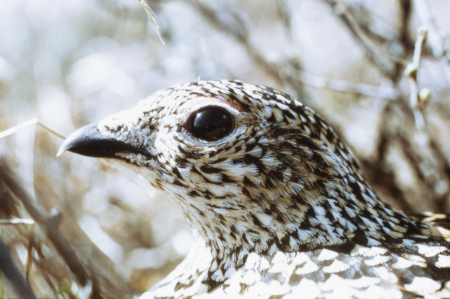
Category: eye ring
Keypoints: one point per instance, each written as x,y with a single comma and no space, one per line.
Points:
210,123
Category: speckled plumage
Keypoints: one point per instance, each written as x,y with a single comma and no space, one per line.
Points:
279,205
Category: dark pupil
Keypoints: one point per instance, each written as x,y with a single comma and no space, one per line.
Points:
211,124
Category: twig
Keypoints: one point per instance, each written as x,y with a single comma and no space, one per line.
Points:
35,121
370,90
435,40
416,100
43,270
283,72
29,262
13,275
47,222
381,174
378,60
426,160
152,16
31,122
15,221
230,22
405,12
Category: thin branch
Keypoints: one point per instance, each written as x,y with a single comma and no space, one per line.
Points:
370,90
152,16
35,121
435,40
381,174
15,221
345,17
416,101
405,12
29,262
47,222
10,271
283,72
31,122
44,270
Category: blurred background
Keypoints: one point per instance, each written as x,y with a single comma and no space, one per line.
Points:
70,63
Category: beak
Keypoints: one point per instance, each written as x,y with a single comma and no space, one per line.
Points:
88,141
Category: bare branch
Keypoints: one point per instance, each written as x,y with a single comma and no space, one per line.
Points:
283,72
435,39
411,70
15,221
31,122
47,223
9,269
152,16
379,61
370,90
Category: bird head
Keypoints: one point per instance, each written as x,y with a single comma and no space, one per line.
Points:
246,164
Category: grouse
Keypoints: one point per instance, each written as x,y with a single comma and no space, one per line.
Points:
276,199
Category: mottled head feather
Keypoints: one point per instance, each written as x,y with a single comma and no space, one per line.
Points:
282,176
279,184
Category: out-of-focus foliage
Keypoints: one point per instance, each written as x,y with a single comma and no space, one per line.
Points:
69,63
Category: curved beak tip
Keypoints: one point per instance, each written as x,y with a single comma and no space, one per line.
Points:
61,150
89,141
66,145
81,137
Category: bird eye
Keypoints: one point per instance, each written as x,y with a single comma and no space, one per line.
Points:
211,124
